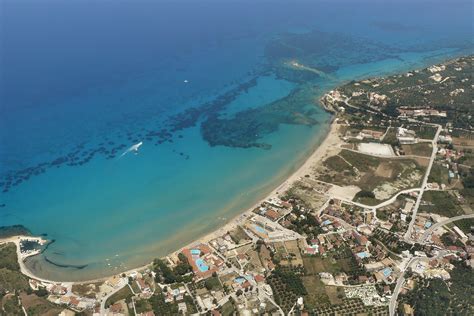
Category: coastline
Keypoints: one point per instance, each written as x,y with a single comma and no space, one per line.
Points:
320,152
330,140
313,155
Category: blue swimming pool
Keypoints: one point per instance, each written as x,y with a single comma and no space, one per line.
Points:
202,266
362,255
259,229
195,252
387,271
240,280
327,222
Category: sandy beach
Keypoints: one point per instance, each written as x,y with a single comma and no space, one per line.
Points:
330,141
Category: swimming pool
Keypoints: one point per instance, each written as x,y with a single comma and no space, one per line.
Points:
240,280
327,222
387,271
362,255
195,252
202,266
259,229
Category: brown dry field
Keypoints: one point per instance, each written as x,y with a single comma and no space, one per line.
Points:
264,254
384,170
255,259
463,142
420,149
332,292
317,296
32,300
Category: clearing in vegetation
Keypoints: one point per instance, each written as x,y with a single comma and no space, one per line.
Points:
384,177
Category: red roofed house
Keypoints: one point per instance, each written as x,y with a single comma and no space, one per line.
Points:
74,301
142,285
116,308
360,239
271,214
322,250
259,278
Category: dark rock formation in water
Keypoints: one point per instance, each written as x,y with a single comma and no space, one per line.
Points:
60,265
14,230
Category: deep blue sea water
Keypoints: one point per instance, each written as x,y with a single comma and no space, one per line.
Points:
81,81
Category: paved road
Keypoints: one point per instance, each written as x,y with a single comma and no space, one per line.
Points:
442,223
393,300
387,156
105,298
434,143
263,296
384,203
401,280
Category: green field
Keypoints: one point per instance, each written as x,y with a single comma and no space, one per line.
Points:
8,257
10,276
438,174
442,203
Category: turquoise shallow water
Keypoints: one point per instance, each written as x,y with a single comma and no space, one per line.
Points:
69,111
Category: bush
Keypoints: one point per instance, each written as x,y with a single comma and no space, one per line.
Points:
365,194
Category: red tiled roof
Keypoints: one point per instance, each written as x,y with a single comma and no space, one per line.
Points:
271,214
362,278
116,308
74,301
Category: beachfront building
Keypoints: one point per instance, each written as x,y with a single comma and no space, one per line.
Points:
202,260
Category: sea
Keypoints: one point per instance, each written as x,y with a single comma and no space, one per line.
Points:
131,128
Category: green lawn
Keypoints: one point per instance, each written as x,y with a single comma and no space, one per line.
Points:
442,203
439,174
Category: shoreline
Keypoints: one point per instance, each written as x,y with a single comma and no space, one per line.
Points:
317,154
330,139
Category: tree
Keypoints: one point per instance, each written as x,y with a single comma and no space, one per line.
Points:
365,193
41,292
